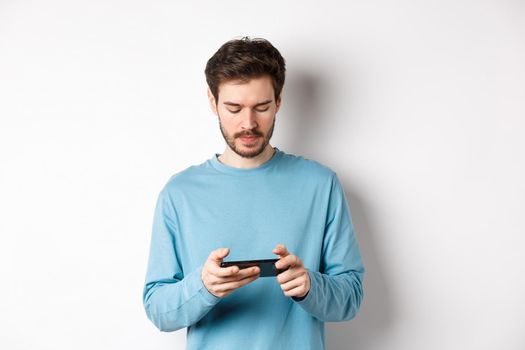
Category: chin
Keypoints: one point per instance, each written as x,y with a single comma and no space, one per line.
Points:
249,152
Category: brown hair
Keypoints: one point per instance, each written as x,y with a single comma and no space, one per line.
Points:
245,59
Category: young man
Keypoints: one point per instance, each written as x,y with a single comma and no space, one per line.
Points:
252,202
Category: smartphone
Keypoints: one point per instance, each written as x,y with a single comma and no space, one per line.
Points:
267,266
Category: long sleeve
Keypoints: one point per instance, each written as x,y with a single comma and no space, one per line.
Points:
173,299
336,290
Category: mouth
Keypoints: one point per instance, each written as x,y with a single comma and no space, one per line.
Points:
249,139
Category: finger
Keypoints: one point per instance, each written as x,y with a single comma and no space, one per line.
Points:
299,291
240,275
214,260
250,271
280,250
288,261
219,254
229,286
294,283
214,269
289,275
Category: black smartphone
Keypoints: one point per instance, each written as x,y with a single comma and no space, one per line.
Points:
267,266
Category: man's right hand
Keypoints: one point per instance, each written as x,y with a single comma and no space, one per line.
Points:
221,281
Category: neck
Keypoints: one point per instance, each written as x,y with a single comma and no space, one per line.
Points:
232,159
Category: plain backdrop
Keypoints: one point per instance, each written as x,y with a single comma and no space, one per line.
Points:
419,106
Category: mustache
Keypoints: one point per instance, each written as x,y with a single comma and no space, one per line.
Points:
253,132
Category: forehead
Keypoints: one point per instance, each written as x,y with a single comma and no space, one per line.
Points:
244,92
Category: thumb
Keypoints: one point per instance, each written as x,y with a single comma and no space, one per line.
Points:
219,254
281,250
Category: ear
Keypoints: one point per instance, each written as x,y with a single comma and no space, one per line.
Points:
278,103
213,102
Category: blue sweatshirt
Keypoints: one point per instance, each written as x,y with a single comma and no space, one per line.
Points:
288,200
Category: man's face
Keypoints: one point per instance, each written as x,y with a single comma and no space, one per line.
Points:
246,112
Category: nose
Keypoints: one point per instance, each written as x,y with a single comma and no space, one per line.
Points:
248,119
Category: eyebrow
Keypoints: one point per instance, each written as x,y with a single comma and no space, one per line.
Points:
239,105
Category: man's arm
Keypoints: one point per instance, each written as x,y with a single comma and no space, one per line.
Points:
173,299
335,292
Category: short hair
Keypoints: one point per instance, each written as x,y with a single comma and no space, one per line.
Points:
245,59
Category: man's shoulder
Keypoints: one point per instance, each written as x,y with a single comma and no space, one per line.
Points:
302,165
187,176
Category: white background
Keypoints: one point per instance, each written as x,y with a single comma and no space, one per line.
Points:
419,106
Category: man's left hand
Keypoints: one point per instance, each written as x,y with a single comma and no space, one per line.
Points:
295,282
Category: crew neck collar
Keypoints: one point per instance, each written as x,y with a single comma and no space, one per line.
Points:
216,163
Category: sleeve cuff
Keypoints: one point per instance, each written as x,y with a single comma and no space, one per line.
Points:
197,284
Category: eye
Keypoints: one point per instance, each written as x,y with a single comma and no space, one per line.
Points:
262,109
233,111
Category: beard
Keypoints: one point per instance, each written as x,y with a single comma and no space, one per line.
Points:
250,152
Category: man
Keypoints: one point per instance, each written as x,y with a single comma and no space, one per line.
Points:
252,202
